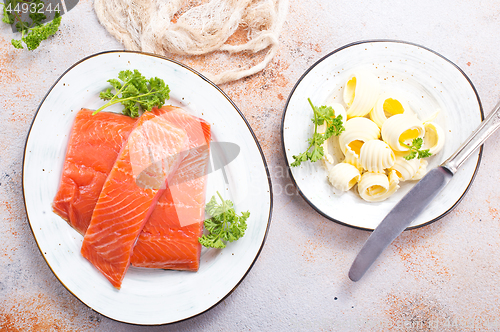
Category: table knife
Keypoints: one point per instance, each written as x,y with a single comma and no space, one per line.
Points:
413,203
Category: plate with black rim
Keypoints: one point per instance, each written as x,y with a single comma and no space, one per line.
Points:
433,84
147,296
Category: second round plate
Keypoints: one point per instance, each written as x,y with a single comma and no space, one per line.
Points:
433,82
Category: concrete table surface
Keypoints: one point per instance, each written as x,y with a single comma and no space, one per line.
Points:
442,277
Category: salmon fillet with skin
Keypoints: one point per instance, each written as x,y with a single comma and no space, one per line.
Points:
130,193
169,240
93,147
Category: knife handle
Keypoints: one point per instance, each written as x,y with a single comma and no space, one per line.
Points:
475,140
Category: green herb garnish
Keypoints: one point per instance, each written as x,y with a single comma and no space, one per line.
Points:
32,34
415,151
224,224
323,114
135,92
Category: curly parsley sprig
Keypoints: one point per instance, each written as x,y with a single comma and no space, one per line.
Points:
224,224
415,149
32,34
323,114
135,92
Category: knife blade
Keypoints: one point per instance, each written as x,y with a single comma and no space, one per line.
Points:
413,203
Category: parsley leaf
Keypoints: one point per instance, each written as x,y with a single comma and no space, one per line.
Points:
135,93
224,224
415,149
32,34
41,32
334,127
17,43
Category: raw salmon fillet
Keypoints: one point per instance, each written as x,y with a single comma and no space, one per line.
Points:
150,157
169,240
93,147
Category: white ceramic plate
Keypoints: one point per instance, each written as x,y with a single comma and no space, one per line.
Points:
147,296
434,84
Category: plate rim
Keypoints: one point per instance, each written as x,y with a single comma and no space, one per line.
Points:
266,168
396,41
